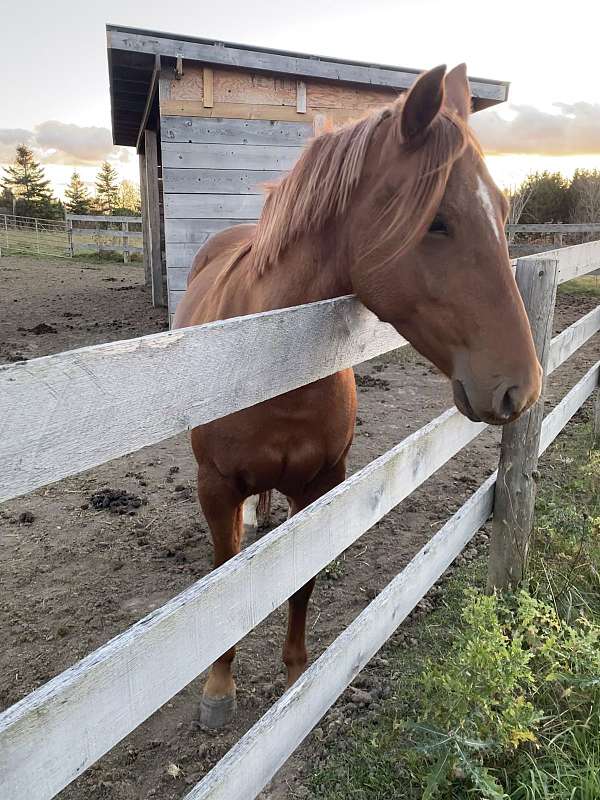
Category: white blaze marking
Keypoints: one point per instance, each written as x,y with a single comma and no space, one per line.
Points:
488,206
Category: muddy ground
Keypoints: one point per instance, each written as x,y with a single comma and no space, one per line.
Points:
73,574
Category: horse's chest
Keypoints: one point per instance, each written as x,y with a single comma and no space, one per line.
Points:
293,435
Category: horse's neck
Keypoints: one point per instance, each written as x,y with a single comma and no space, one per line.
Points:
314,268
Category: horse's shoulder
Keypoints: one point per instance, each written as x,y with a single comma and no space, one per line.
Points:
219,243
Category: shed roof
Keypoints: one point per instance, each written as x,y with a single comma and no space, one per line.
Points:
132,57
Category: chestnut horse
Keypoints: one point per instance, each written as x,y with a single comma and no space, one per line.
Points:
400,210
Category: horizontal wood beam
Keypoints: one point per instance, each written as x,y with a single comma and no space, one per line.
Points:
555,227
87,232
568,406
107,248
218,181
197,231
278,113
286,63
184,155
573,262
234,131
205,206
103,218
572,338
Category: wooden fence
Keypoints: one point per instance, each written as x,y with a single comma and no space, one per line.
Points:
65,413
105,234
557,229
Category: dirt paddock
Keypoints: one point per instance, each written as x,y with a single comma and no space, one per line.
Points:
73,573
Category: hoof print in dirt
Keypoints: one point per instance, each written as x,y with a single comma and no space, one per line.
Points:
117,501
26,518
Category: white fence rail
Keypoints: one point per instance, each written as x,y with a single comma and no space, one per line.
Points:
53,734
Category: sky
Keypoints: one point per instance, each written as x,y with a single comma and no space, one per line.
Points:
54,91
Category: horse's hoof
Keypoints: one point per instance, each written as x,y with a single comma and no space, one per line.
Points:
216,712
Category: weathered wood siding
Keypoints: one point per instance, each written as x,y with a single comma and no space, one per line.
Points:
227,132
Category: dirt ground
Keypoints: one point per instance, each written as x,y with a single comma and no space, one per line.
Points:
72,575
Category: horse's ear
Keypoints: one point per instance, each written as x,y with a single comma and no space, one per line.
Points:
423,103
458,94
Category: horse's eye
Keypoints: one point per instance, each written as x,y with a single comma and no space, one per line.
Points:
438,226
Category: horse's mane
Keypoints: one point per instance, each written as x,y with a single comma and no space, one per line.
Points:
321,184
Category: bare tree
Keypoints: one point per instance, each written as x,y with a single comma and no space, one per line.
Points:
518,197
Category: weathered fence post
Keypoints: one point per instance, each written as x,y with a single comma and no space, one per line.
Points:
69,223
125,239
515,487
597,418
37,235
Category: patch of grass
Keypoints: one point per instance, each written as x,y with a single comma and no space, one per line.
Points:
334,570
588,285
499,698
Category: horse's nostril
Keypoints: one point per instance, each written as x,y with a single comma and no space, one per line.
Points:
508,406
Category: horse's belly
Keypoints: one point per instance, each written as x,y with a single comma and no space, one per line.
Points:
286,441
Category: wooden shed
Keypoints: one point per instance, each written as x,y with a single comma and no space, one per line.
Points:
213,121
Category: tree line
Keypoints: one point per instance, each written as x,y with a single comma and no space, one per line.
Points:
25,188
550,197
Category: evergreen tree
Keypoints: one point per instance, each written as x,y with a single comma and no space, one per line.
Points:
107,189
6,200
77,196
548,197
26,181
584,196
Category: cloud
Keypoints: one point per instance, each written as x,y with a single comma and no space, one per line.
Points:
74,141
56,142
9,139
573,130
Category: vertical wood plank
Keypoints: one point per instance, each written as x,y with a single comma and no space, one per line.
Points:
153,212
208,87
301,97
517,472
145,224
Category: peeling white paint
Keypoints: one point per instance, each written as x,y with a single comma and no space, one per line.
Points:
488,206
164,341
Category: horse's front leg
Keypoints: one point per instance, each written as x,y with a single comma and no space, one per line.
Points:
295,656
222,506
